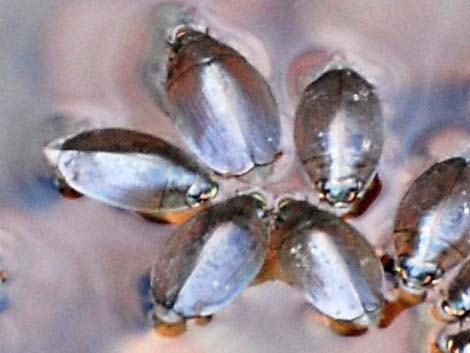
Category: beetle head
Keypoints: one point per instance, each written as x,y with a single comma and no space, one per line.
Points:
201,191
341,194
415,274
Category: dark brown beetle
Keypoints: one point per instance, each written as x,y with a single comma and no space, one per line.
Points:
331,263
432,237
339,136
209,260
133,171
220,102
432,226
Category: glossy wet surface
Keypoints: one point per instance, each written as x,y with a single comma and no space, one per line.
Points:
75,267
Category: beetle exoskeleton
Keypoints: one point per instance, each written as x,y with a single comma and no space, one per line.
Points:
330,262
221,104
209,260
132,171
432,226
339,136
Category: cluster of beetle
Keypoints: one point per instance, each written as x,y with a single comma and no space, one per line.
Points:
230,121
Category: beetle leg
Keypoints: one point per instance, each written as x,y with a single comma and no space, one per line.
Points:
65,190
203,320
391,311
346,328
372,193
172,330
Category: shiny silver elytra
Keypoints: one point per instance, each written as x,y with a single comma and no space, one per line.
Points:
209,260
130,170
330,262
432,226
339,136
221,103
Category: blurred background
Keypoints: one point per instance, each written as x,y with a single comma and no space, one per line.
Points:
75,267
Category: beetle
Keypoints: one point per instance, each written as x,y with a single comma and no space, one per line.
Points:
431,238
332,264
432,225
209,260
339,136
221,104
131,170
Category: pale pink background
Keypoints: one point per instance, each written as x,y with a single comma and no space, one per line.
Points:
75,265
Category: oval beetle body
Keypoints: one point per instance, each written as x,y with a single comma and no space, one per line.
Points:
432,226
222,105
339,136
132,171
330,262
209,260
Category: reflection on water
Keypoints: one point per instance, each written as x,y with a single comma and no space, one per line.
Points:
437,109
75,266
